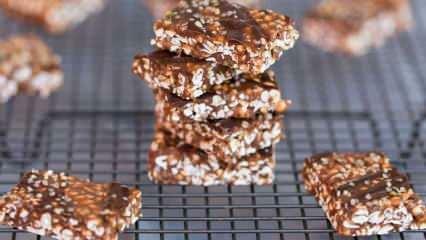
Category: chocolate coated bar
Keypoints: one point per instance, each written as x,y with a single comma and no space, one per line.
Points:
65,207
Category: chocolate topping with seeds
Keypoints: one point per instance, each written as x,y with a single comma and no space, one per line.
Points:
375,186
363,194
65,207
160,7
56,16
241,38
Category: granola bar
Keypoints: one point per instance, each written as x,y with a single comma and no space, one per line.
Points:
354,26
56,16
240,98
226,138
242,38
27,65
159,8
185,76
171,161
363,194
65,207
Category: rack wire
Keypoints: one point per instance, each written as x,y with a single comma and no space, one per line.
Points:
99,126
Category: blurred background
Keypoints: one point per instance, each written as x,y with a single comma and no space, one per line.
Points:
97,58
99,126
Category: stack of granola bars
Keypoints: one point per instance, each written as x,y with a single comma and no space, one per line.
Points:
219,109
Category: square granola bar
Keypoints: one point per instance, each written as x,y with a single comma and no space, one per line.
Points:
27,65
66,207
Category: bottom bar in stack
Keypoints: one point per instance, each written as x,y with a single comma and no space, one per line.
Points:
171,161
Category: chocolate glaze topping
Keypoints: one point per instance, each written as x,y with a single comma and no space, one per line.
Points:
375,186
240,24
234,19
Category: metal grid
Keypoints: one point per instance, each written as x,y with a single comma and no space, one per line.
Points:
100,125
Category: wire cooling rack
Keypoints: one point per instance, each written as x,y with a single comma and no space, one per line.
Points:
99,126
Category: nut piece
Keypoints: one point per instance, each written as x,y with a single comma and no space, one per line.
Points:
65,207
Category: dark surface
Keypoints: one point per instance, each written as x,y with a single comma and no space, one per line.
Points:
100,126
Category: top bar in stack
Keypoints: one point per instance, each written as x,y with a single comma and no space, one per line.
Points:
241,38
363,194
56,16
353,26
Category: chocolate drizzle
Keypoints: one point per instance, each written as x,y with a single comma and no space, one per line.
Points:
375,186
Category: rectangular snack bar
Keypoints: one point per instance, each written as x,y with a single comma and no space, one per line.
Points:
27,65
226,138
65,207
229,34
242,97
354,26
171,161
159,8
363,194
185,76
56,16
